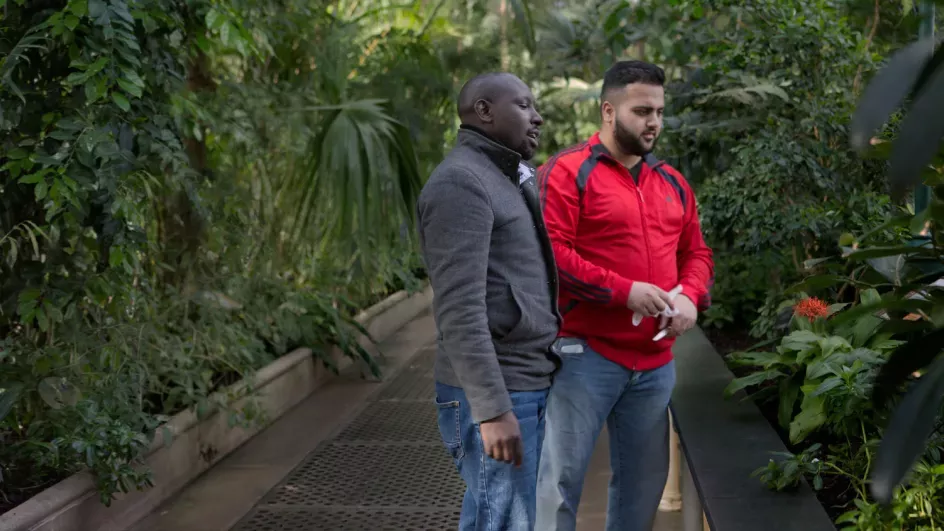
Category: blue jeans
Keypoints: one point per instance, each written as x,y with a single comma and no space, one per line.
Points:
588,391
498,496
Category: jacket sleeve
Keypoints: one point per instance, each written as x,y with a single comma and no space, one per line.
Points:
454,219
695,258
580,278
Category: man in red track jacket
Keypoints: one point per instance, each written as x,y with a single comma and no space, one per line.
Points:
625,232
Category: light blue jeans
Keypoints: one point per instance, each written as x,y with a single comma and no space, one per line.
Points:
588,391
498,496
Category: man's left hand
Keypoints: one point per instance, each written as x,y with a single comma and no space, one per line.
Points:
685,320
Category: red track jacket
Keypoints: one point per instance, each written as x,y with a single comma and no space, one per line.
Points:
608,232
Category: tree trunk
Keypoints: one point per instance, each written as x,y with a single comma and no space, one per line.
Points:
505,56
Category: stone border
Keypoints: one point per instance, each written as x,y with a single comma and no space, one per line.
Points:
196,444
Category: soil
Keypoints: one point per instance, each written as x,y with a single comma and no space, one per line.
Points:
730,340
837,494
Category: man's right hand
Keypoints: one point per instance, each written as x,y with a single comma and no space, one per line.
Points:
647,299
502,438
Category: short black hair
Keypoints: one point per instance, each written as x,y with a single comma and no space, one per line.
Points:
483,86
625,73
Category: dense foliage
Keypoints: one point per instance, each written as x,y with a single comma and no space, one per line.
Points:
192,189
858,389
189,190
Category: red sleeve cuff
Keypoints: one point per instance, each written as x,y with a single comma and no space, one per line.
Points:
621,288
693,295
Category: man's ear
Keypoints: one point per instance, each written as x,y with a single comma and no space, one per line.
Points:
484,111
607,111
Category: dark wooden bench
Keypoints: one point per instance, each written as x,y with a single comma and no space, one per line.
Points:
723,442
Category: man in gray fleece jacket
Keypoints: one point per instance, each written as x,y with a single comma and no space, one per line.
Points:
494,281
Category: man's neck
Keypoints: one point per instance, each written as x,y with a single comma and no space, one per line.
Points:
612,146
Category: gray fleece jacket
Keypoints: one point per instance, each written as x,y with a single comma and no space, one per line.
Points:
493,274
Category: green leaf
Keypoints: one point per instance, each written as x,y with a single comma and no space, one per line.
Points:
864,329
889,304
96,8
130,88
813,262
79,7
816,283
133,77
910,357
121,101
17,154
97,66
12,255
887,90
919,137
57,392
72,22
831,344
214,19
94,90
522,11
891,267
907,432
42,319
752,379
880,252
812,415
9,395
40,190
115,257
870,296
827,385
757,359
789,392
800,340
836,308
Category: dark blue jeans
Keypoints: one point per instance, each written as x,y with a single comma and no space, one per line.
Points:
498,496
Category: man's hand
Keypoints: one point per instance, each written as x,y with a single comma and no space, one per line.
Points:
685,320
648,300
502,438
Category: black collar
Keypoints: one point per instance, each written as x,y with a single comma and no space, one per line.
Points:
599,151
506,159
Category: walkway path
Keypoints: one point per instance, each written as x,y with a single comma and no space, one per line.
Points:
375,465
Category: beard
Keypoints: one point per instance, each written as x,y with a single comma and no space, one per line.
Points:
631,143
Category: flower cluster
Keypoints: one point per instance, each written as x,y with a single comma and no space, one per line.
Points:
811,308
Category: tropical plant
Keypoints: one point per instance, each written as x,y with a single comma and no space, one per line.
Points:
914,75
821,372
187,192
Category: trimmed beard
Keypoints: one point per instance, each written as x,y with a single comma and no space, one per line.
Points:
630,143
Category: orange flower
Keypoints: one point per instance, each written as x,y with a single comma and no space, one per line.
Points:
811,308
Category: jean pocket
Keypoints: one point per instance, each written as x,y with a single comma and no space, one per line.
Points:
450,428
569,347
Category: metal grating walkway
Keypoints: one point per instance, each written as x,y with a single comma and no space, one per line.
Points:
385,471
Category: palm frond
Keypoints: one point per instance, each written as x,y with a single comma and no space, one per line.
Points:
361,175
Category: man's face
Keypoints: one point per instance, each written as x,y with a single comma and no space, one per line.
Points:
516,122
636,117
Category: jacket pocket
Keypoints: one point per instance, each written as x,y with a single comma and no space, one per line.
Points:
505,313
524,327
